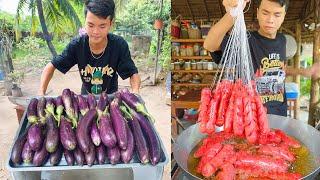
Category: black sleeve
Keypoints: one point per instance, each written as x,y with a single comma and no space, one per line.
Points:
67,58
126,67
217,55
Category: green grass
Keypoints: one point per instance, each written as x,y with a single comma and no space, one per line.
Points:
18,54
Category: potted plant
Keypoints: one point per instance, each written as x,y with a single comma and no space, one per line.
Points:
16,78
158,23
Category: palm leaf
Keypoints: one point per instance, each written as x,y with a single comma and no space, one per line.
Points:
53,16
21,5
66,8
78,2
33,9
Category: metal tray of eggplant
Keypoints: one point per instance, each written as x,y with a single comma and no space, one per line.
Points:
134,163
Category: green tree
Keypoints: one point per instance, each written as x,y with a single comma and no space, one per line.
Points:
54,13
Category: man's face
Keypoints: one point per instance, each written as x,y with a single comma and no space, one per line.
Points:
270,16
97,28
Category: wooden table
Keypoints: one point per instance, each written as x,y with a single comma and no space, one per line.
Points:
189,100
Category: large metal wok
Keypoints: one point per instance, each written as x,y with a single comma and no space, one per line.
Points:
308,135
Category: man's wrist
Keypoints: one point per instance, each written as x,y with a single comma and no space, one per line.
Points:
135,91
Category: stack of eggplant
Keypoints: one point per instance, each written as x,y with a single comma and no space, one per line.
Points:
87,131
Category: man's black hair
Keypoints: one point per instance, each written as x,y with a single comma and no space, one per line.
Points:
281,2
100,8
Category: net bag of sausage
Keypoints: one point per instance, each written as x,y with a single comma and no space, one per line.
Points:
232,101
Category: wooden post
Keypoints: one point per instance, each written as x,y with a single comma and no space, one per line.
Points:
314,92
159,42
297,66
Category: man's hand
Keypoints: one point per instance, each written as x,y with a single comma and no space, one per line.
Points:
135,82
315,70
46,76
41,93
229,4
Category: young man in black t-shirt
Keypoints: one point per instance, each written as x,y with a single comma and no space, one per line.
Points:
268,51
100,55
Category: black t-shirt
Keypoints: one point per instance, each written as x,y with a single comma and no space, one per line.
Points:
101,74
268,56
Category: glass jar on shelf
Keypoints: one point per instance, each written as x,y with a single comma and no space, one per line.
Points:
205,65
210,65
203,51
183,50
189,49
193,65
177,66
196,49
187,65
199,65
175,49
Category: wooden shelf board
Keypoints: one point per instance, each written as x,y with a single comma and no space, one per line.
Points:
195,71
187,40
191,57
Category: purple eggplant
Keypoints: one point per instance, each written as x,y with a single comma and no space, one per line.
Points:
76,106
83,130
78,156
41,106
56,156
83,105
50,105
113,155
119,124
140,142
59,108
27,153
101,153
67,135
151,137
67,100
68,155
35,137
133,101
41,156
53,136
107,134
18,147
102,103
91,101
95,136
126,155
32,114
90,157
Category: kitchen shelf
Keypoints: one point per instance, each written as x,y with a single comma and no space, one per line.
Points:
188,40
196,71
192,57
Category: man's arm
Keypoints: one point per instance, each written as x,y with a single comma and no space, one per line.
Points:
290,71
219,30
46,76
135,82
313,71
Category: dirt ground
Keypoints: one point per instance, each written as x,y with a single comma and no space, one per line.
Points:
154,97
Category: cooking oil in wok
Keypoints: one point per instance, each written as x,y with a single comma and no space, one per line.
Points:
304,163
193,162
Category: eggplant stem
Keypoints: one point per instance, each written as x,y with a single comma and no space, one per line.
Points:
125,112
